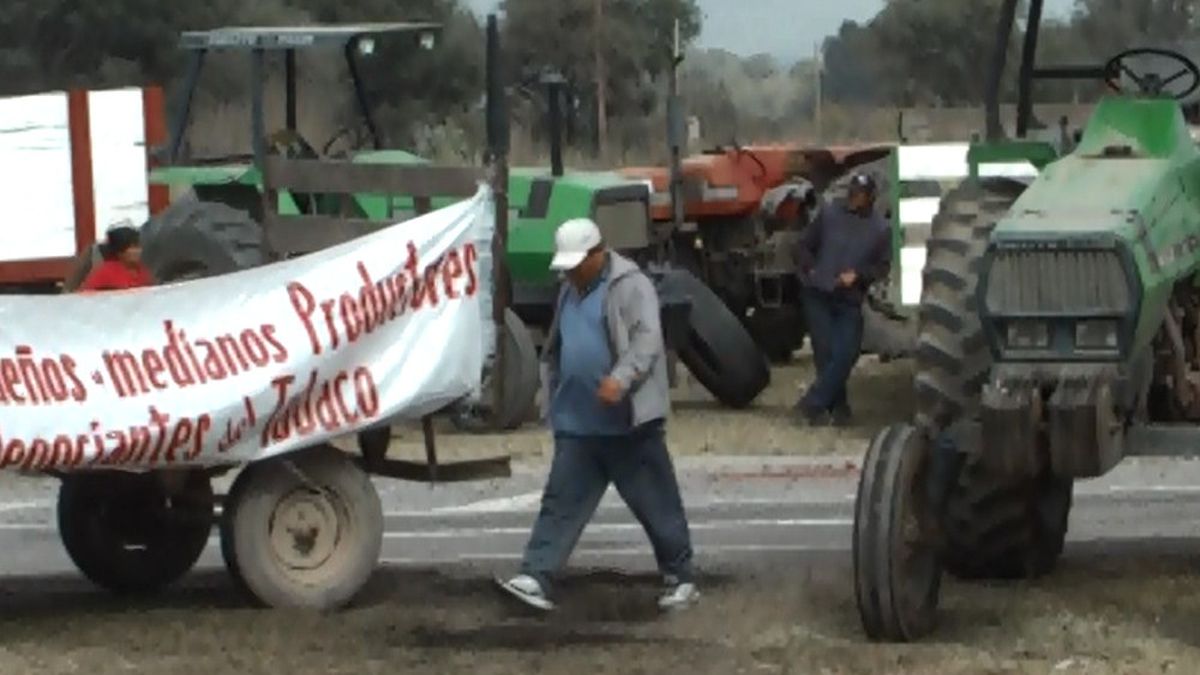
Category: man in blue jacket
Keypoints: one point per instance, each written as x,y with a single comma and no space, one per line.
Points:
605,374
846,248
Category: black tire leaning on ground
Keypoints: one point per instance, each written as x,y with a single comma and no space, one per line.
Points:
993,528
778,331
718,350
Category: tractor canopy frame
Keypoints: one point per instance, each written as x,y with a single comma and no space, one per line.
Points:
257,41
1028,72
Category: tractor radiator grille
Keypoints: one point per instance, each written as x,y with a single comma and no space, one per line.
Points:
1058,282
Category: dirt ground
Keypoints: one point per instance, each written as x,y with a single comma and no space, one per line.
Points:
1132,611
1094,616
880,393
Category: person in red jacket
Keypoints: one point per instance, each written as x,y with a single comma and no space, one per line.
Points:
122,267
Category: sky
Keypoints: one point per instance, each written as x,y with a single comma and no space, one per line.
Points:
785,29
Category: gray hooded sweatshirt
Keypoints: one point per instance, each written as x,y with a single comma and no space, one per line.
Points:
634,337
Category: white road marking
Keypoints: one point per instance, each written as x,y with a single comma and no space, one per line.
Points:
27,527
1153,488
6,507
455,533
617,552
515,503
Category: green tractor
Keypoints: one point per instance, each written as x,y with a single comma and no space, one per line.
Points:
215,228
1058,332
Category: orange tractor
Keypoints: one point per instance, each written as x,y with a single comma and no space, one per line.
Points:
743,210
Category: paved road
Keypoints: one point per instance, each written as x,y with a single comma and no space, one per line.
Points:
744,512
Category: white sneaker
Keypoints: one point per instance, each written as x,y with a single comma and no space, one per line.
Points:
527,589
678,596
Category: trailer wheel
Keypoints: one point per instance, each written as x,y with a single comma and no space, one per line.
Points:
303,530
897,575
995,527
193,238
718,350
128,534
521,384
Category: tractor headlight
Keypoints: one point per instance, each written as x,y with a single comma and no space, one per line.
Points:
1027,334
1096,334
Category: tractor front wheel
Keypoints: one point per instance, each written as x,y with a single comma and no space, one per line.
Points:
995,526
303,530
129,532
897,573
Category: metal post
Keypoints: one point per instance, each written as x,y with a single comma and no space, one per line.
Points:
289,68
497,126
1028,58
179,124
554,83
360,94
257,123
994,130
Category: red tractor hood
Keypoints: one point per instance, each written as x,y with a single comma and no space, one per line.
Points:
733,181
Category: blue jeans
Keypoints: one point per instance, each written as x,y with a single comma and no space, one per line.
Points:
582,468
835,327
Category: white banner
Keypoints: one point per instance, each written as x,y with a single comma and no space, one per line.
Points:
249,365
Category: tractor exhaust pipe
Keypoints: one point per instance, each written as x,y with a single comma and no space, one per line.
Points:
554,83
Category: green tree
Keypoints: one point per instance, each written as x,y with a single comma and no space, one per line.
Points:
1109,26
634,45
852,73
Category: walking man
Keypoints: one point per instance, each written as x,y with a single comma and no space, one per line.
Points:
606,383
846,248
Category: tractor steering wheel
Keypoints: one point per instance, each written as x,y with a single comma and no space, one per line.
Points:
357,136
1153,84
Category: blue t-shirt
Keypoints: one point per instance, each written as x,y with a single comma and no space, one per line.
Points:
585,358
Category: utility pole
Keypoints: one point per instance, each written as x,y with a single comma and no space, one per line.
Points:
818,73
675,131
601,79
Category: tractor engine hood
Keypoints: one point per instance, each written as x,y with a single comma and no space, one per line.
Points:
732,181
1084,263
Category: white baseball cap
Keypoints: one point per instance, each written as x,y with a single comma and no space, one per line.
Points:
572,242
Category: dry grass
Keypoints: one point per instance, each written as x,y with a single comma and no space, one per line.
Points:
880,393
1128,615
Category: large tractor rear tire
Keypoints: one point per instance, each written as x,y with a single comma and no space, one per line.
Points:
193,239
718,350
994,528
